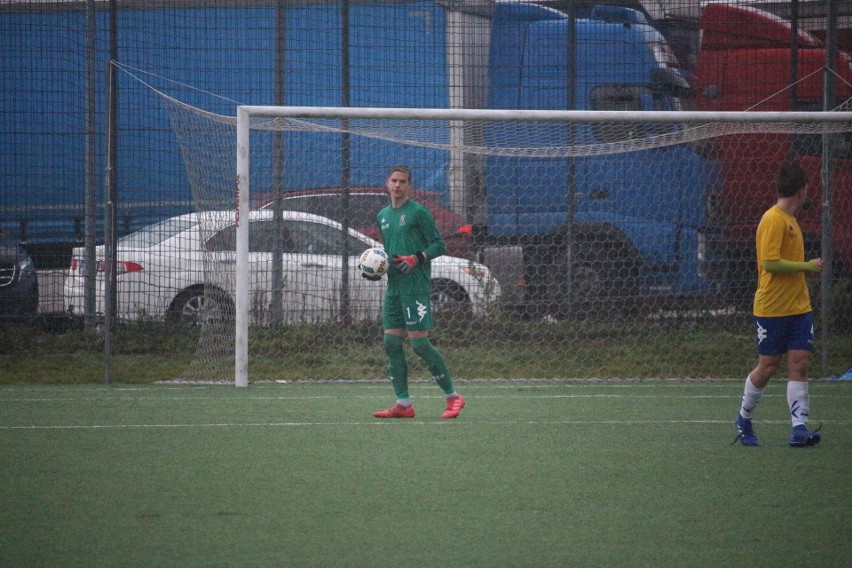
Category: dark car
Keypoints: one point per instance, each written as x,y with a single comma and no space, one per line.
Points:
18,280
365,203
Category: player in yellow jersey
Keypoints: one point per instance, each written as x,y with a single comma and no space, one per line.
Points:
782,309
412,240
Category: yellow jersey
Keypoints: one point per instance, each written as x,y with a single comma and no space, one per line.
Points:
779,237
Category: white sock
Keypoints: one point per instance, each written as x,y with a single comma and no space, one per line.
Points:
751,396
797,400
404,402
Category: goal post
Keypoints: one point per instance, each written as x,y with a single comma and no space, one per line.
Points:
242,276
515,145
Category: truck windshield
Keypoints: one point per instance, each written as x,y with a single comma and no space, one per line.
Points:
628,97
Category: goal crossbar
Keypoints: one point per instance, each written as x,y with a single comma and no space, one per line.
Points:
560,115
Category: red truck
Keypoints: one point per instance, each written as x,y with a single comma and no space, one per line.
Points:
745,63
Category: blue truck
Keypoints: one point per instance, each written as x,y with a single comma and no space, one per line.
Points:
619,225
594,228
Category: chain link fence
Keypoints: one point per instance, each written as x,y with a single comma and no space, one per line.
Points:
630,264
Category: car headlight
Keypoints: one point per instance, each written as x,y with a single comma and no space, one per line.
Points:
26,265
477,271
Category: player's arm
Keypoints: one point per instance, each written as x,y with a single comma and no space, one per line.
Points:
781,266
435,246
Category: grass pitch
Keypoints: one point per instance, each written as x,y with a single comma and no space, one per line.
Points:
532,474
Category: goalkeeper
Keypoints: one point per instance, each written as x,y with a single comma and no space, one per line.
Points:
412,239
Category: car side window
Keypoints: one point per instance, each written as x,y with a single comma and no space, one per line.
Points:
316,238
223,241
262,238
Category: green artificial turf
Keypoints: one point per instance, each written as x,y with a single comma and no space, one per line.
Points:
549,473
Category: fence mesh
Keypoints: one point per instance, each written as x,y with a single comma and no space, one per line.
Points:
650,206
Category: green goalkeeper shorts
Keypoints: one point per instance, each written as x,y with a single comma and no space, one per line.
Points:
412,312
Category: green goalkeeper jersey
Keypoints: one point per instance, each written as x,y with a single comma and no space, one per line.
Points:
406,231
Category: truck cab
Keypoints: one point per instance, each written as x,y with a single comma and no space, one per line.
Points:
634,220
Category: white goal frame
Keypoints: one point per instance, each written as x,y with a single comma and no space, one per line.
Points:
246,112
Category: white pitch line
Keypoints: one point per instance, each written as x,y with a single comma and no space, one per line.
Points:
519,396
399,422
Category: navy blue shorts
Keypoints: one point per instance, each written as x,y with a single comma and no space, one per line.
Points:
776,336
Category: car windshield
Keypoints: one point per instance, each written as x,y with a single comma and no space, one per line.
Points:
156,233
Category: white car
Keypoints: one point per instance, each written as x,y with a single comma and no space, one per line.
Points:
161,272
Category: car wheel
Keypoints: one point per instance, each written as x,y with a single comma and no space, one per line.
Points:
199,308
448,298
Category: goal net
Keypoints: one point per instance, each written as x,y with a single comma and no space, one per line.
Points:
574,238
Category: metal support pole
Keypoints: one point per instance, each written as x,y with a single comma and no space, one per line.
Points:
111,208
827,252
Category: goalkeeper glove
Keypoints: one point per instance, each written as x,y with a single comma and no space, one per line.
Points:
405,263
373,277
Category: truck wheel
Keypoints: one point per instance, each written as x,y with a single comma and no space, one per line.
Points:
604,281
616,273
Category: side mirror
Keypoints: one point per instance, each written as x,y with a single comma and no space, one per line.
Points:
671,82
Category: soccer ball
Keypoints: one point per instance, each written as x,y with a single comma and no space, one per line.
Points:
374,262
